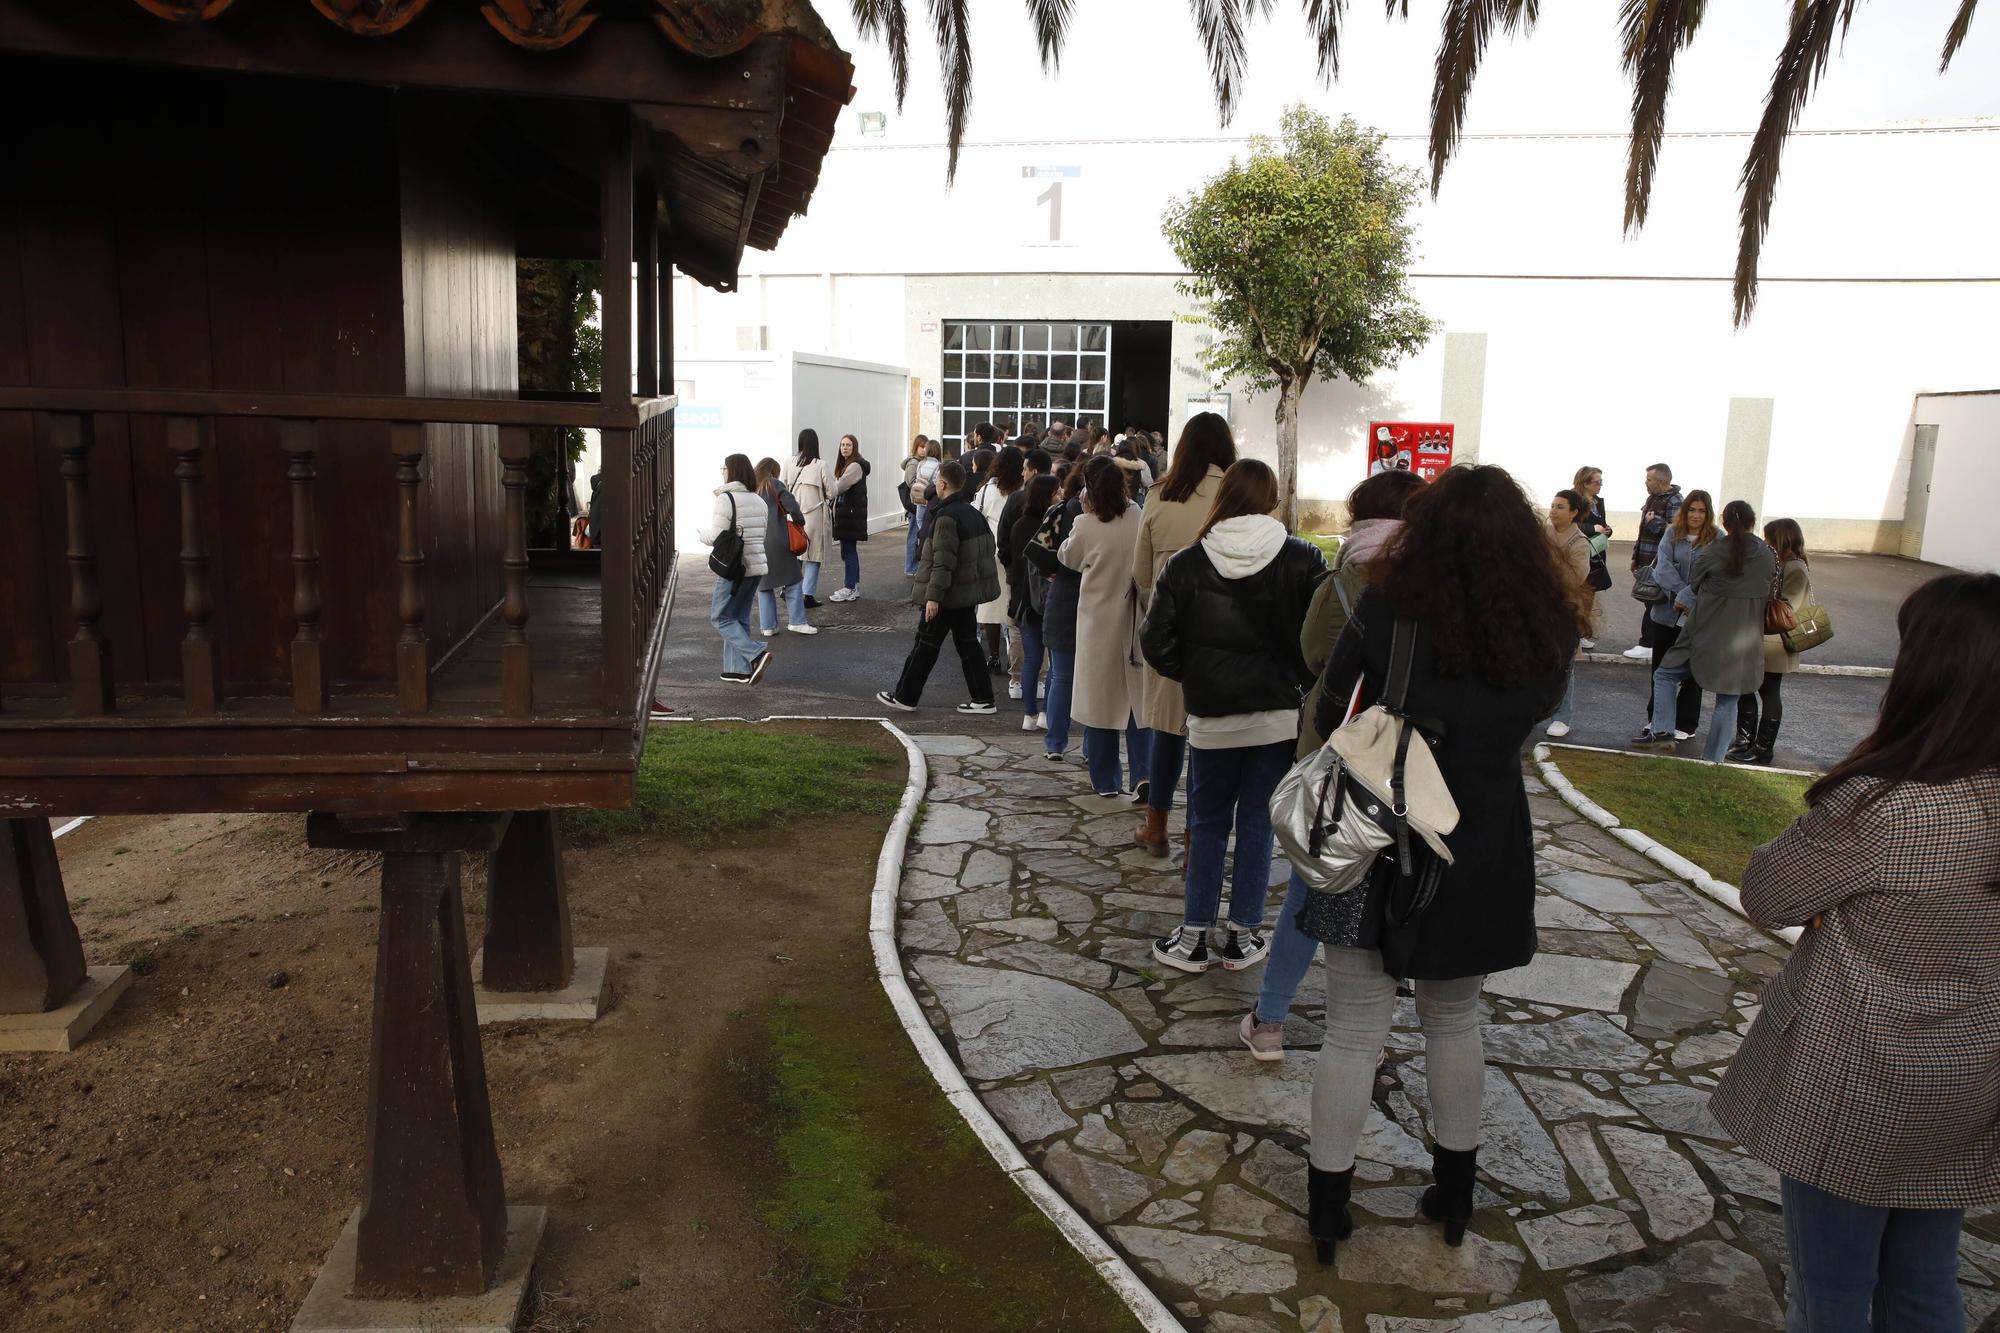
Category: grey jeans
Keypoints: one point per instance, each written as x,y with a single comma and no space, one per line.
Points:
1360,1009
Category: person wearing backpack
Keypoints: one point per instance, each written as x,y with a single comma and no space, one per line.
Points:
1494,620
956,571
735,534
1224,622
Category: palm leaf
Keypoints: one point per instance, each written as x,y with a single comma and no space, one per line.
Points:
1220,23
1323,17
1655,32
1051,18
1807,48
886,18
1956,37
951,20
1467,26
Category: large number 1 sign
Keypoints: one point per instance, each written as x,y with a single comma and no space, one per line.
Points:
1051,199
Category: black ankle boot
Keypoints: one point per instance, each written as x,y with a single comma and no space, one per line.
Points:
1326,1209
1765,744
1450,1200
1746,733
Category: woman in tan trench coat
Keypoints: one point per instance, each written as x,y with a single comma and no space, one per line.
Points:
1106,694
1174,515
811,483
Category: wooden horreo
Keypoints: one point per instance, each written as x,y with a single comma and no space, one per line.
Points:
263,543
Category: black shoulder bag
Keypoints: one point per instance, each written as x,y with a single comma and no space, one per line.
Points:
725,557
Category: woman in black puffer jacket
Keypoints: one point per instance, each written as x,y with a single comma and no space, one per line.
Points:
1225,623
850,514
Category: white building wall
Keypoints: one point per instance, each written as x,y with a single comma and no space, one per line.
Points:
1960,529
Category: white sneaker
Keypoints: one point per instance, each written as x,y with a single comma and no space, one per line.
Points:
1680,735
841,595
1041,721
884,697
1013,689
1028,723
1638,652
975,706
1558,729
803,629
1588,645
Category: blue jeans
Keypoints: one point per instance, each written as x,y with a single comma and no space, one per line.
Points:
1030,630
795,607
1100,754
1292,955
850,559
809,581
913,545
1721,719
1062,679
1163,770
729,611
1228,787
1856,1267
1566,710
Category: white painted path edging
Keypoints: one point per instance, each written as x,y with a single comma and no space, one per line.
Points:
1666,857
1804,668
1148,1309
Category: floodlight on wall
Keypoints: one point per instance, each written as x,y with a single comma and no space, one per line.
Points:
874,123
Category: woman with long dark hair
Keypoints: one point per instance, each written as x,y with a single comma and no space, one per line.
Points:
1757,738
740,509
812,484
1871,1077
1002,480
1030,587
850,515
1494,619
1059,609
1721,647
1173,522
1690,531
1106,690
1225,622
782,570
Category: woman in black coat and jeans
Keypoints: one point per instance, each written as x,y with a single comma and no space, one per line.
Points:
1496,622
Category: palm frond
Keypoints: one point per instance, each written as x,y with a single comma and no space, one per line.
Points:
951,20
1051,19
1220,23
1394,5
1956,37
887,18
1467,26
1258,9
1655,32
1323,17
1807,47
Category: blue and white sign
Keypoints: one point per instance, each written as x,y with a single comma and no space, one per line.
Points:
697,416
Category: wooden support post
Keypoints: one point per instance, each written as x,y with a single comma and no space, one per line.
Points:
434,1207
528,946
646,246
663,248
41,956
616,526
517,655
201,674
413,664
90,692
299,441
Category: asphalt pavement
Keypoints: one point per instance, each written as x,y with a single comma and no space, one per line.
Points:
861,646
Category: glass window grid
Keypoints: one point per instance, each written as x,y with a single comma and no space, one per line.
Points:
1029,371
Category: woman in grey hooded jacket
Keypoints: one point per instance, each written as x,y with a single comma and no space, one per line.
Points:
1722,647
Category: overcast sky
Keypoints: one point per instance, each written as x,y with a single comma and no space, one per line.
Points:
1134,68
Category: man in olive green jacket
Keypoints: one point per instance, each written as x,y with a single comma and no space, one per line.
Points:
957,570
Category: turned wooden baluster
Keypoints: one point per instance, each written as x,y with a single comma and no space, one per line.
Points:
201,678
89,655
517,656
413,667
298,439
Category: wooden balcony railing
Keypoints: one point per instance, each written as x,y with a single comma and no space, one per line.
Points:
637,538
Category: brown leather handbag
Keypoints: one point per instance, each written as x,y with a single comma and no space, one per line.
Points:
1778,614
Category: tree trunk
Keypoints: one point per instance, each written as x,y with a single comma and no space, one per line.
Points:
1289,393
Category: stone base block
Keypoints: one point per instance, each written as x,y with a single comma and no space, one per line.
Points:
61,1029
580,1003
329,1307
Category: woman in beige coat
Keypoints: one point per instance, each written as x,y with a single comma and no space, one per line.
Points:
811,484
1107,689
1757,737
1566,513
1174,514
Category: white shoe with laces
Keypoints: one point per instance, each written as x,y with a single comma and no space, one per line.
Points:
1028,723
1638,652
1013,689
803,629
1558,730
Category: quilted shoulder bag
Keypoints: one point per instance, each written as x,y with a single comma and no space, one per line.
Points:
725,556
1646,588
1812,627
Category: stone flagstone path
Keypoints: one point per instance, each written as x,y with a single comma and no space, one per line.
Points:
1610,1198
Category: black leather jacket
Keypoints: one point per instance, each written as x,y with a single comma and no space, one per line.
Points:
1233,644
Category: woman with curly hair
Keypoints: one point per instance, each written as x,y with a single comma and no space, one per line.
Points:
1495,619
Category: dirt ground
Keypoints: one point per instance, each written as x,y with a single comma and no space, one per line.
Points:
189,1166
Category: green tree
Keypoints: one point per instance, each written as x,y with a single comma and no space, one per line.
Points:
1653,33
1302,254
560,351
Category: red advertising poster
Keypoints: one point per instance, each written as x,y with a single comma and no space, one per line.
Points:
1422,447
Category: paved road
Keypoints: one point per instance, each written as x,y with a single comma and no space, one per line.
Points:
862,644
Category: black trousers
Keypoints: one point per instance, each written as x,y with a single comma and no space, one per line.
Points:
961,625
1771,694
1687,702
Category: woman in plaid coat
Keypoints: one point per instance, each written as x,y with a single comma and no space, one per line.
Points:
1871,1079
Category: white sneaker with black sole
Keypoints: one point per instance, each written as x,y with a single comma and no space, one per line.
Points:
884,697
1240,949
976,707
1185,950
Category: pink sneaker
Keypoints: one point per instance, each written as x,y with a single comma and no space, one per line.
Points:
1265,1040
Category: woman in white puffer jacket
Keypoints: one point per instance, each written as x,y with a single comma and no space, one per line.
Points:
738,505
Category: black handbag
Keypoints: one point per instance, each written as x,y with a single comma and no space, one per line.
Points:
725,557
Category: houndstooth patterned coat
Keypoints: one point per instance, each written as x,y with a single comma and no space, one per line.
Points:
1873,1070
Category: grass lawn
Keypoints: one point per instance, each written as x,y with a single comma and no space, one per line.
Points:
1714,816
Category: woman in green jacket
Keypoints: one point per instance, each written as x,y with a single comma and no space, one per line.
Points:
1722,647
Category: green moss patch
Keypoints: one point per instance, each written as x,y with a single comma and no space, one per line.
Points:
1712,815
